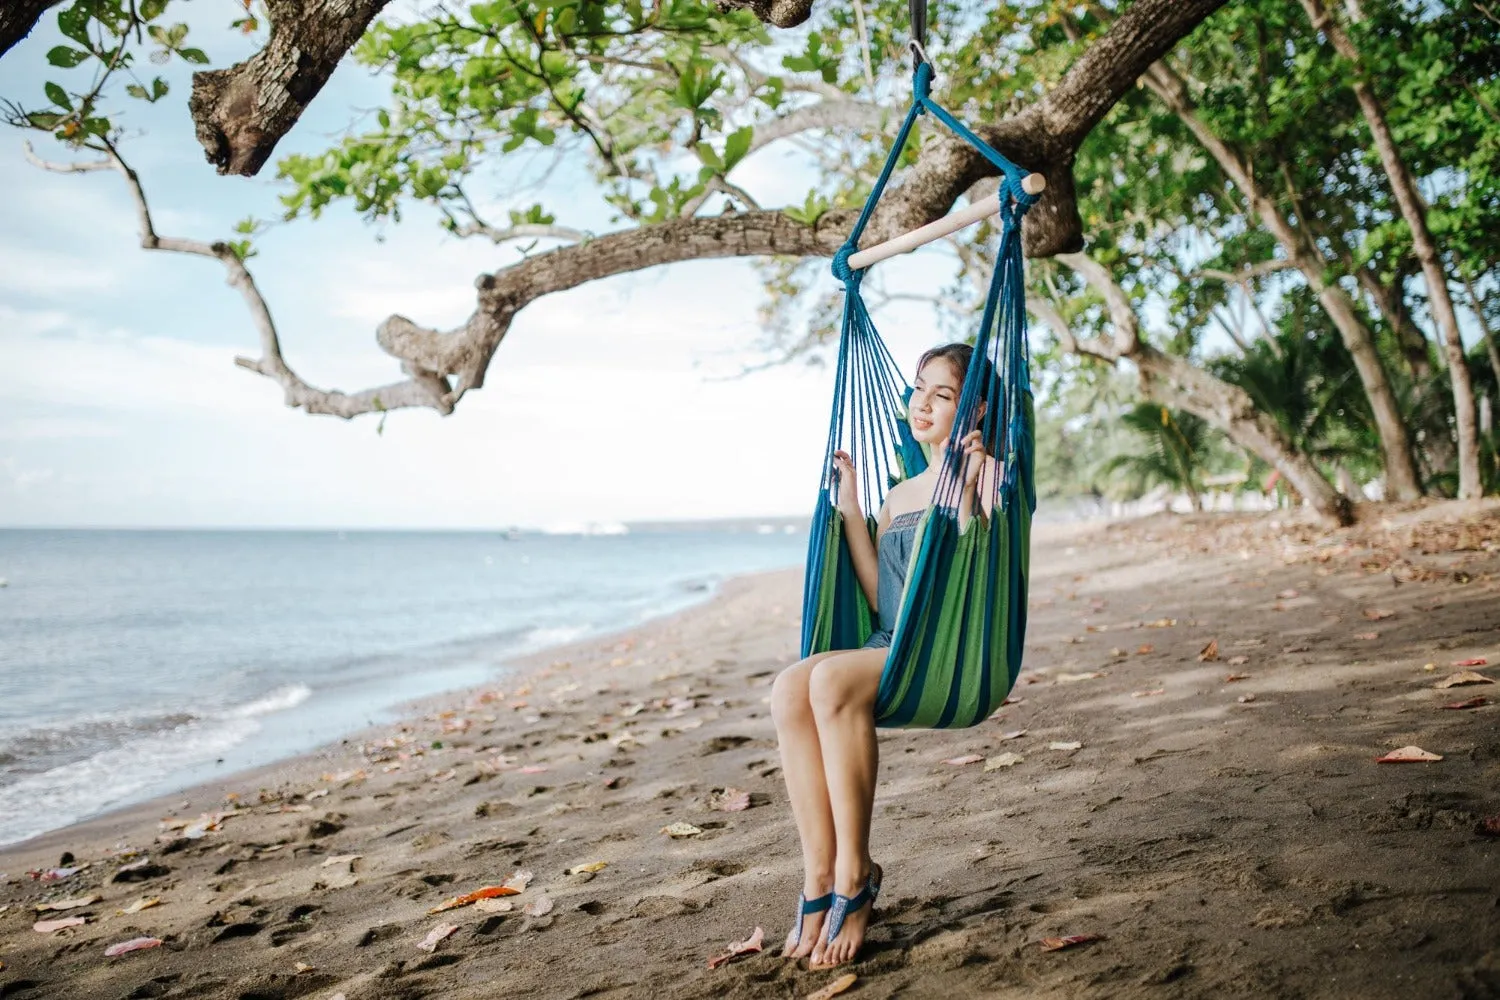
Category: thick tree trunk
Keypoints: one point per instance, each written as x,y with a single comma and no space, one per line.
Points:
1173,381
1400,469
242,112
1414,211
18,17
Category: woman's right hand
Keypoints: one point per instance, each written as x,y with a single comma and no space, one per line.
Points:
848,486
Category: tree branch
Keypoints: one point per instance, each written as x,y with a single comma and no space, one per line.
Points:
242,112
18,17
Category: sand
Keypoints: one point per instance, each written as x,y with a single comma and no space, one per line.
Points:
1225,838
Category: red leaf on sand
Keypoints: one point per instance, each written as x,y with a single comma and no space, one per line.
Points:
1013,734
488,892
435,936
1477,661
749,946
1059,943
968,758
1471,703
134,944
1367,636
1408,755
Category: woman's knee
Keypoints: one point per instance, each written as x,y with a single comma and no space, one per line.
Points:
789,693
831,687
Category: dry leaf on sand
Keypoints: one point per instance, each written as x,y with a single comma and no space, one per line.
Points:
141,904
519,880
730,800
1378,614
68,904
677,830
340,859
968,758
1004,760
488,892
49,926
435,936
1013,734
1209,653
592,866
1477,661
1408,755
1059,943
1461,678
1471,703
539,907
834,988
134,944
748,946
1065,745
494,906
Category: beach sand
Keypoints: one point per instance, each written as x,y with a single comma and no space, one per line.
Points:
1226,838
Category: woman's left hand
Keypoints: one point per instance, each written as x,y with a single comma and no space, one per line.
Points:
974,458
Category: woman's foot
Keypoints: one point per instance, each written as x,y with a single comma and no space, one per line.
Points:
807,929
846,922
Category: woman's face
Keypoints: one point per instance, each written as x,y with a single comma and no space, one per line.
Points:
934,401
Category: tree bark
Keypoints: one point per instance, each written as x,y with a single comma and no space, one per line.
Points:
1414,211
242,112
1400,469
18,17
1490,347
1176,382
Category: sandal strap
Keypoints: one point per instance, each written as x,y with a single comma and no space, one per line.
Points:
807,907
842,907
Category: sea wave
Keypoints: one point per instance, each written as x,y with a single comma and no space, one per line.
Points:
279,700
48,799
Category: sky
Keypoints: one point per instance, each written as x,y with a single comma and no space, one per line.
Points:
121,405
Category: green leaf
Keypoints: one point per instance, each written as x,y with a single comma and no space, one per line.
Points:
74,22
158,89
43,119
137,91
197,56
67,58
57,95
736,146
709,157
150,10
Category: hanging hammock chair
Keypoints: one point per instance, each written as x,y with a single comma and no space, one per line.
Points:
956,645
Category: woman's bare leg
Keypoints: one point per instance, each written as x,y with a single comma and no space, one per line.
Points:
842,691
802,769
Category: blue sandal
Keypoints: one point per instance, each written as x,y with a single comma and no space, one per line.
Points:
805,908
844,905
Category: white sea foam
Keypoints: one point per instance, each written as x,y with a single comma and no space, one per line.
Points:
279,700
544,638
41,802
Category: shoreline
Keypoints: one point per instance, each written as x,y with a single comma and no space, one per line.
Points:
1185,777
510,671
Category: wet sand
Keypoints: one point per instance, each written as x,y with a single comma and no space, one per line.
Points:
1225,837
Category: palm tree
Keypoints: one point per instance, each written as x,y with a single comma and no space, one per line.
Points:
1176,451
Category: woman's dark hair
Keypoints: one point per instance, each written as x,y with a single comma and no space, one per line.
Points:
959,356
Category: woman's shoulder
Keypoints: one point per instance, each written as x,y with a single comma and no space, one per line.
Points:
905,497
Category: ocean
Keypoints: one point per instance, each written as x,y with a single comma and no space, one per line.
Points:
137,663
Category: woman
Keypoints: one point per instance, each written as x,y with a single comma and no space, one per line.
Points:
824,706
